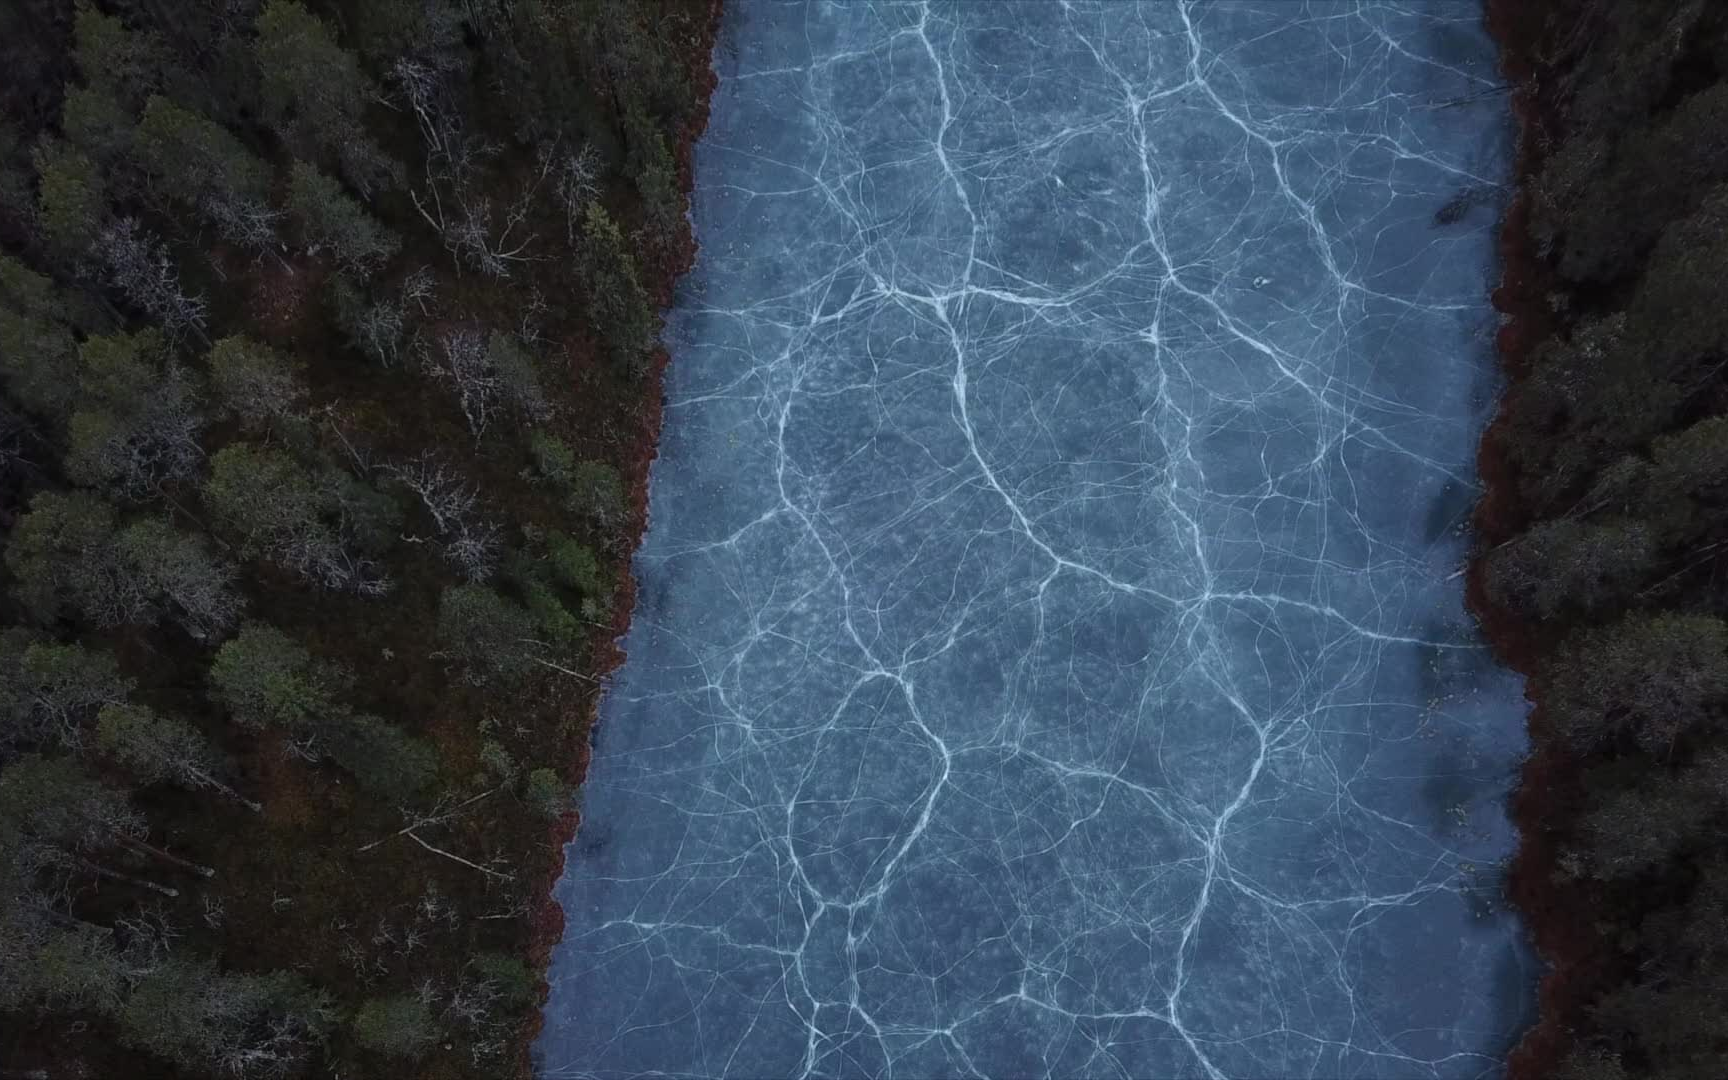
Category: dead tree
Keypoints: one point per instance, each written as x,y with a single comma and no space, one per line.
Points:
472,545
137,264
460,360
443,812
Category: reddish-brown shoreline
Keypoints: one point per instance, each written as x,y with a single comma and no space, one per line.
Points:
1558,927
660,280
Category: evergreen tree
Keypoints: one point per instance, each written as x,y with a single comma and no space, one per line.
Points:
330,220
315,93
317,528
255,383
268,680
137,425
50,692
490,635
157,749
234,1024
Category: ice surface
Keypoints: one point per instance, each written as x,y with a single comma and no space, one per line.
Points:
1050,657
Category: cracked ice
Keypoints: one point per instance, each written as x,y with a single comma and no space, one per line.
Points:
1049,658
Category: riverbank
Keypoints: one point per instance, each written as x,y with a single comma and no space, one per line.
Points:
1573,568
660,279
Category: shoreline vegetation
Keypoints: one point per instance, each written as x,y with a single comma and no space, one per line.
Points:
329,383
1604,525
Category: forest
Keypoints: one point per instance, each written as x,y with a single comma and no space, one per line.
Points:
328,382
1604,529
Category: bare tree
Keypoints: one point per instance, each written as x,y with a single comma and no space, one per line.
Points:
474,549
448,497
474,232
138,265
472,545
247,223
137,445
460,361
157,748
478,232
418,287
534,309
578,182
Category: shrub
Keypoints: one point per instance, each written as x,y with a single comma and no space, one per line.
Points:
621,310
546,792
512,978
498,760
554,460
398,1026
383,758
490,635
550,615
596,492
575,566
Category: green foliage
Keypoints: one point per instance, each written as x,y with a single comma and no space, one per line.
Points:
320,527
262,491
70,201
509,975
36,347
138,422
268,680
329,219
171,185
128,64
54,801
1653,677
518,376
69,558
554,460
176,571
382,757
1630,828
619,306
399,1026
203,1019
596,492
152,748
97,123
546,792
314,92
498,760
1601,206
490,635
592,489
191,158
61,554
77,967
575,566
49,692
651,168
1565,564
377,328
552,619
255,382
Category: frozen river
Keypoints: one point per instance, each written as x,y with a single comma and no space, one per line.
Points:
1050,658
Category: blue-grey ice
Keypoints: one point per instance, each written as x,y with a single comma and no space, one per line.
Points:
1050,658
